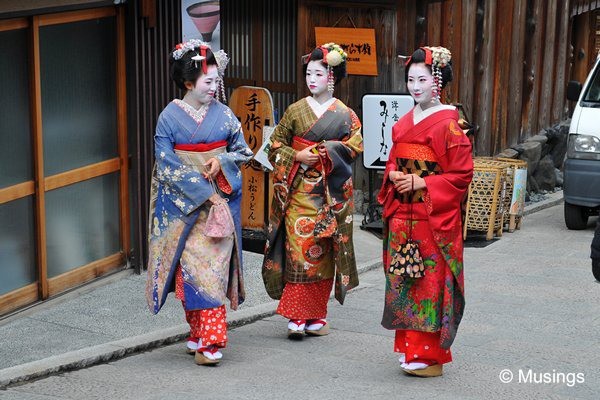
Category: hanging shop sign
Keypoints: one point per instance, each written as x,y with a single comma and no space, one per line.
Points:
358,43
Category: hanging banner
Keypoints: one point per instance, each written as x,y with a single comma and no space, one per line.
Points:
380,113
358,43
201,20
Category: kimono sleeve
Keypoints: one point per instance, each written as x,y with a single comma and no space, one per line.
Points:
281,154
341,153
238,153
185,187
445,192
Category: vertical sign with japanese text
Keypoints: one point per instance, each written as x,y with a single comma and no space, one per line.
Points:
253,106
380,113
358,43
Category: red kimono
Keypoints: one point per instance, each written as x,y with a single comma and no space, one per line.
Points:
426,311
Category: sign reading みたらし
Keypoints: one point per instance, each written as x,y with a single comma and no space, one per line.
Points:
358,43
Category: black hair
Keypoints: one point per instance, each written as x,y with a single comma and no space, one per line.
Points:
419,57
187,70
339,71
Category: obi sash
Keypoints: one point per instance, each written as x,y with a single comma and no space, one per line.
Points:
416,159
300,144
196,155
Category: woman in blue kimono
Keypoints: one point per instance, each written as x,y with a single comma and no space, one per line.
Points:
199,147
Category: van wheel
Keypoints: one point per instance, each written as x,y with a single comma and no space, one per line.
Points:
576,217
596,268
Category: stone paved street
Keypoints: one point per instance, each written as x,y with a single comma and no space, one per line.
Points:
532,305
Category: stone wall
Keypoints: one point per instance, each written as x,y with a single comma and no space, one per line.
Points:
544,153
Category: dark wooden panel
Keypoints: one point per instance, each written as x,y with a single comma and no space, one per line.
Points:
503,39
485,77
515,83
467,51
562,63
533,59
452,38
548,66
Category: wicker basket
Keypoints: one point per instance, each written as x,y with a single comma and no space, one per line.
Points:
485,204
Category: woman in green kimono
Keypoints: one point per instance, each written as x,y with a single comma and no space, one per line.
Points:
309,239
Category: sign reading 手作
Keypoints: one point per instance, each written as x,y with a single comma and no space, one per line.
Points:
358,43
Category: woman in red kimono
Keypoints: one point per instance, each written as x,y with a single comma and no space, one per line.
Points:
426,178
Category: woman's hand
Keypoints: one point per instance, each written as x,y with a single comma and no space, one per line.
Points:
307,156
212,168
404,183
322,150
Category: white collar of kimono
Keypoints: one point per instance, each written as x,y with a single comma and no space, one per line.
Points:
319,109
197,115
419,114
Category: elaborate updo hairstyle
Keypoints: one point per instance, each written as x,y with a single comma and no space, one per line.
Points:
182,68
339,59
434,58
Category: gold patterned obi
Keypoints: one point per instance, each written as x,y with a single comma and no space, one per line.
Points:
416,159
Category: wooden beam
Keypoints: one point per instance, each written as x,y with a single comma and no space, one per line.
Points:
18,298
562,64
76,16
35,97
81,174
467,51
486,77
515,83
548,66
85,273
533,70
17,191
503,42
451,38
12,24
121,92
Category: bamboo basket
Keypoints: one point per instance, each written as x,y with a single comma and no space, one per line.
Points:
485,207
507,184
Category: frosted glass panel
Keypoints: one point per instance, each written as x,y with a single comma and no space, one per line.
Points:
78,94
15,135
17,251
82,223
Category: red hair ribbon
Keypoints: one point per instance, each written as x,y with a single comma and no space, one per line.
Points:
325,52
203,49
428,57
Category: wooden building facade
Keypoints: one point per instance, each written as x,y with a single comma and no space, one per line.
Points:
74,173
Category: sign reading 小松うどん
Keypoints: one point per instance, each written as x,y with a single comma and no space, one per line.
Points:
380,113
358,43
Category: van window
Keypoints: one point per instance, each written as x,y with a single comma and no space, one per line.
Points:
592,93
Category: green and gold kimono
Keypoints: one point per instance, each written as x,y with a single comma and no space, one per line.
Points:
292,253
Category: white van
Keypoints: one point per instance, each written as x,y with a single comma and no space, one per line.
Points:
581,187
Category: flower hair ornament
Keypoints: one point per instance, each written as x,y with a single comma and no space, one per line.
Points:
333,55
220,56
437,57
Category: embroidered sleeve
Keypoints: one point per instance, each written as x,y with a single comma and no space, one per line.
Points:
238,153
281,154
184,186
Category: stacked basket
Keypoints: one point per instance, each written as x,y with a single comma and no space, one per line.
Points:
492,201
486,200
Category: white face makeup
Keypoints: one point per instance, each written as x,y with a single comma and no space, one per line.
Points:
206,86
316,77
420,83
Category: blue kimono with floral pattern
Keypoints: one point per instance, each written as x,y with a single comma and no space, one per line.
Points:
179,191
